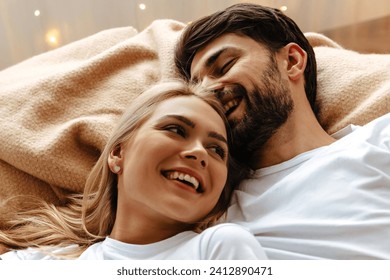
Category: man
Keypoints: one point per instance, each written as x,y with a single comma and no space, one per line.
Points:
310,196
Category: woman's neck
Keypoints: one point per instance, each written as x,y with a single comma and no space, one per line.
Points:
144,229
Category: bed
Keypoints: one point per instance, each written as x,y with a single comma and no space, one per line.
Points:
58,108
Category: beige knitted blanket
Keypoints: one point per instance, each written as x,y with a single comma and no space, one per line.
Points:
58,108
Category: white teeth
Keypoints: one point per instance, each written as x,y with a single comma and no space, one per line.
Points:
184,177
230,105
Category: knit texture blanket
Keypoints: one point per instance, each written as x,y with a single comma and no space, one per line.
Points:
57,109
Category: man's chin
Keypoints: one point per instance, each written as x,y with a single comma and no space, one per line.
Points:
233,122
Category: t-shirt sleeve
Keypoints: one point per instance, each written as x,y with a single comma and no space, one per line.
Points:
231,242
35,254
26,254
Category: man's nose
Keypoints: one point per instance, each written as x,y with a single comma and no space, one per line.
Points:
212,83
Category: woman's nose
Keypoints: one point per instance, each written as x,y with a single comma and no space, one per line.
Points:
197,153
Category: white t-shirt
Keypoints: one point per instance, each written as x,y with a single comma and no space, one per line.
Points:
329,203
223,242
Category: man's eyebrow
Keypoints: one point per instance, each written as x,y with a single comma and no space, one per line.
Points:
211,60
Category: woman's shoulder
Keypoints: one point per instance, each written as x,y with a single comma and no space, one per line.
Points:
230,241
226,230
36,254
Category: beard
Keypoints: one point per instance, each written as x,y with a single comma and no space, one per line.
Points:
268,107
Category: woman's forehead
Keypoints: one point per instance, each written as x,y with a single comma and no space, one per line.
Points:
191,107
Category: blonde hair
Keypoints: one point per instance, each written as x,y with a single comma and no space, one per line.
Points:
89,218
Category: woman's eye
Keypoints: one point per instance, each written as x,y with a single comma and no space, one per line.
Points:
177,129
221,152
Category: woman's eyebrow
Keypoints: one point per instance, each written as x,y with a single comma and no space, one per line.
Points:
191,124
180,118
217,136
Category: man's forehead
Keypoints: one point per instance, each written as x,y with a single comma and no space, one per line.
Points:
205,57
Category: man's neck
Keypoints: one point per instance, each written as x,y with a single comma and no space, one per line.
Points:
301,133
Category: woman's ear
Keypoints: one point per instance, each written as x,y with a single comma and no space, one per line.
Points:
115,160
297,59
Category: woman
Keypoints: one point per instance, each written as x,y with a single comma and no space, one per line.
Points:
158,185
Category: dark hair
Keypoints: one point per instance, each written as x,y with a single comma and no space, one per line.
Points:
265,25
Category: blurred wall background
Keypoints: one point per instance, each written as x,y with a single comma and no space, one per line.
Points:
31,27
